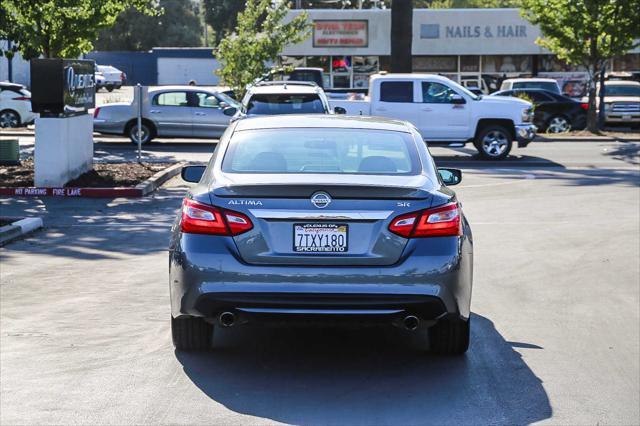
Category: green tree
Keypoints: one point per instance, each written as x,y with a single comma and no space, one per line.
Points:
222,16
178,26
62,28
587,33
260,36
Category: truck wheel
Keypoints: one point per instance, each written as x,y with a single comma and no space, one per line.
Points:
109,88
494,143
450,337
147,132
191,334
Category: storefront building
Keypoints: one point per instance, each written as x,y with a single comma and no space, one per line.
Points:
472,46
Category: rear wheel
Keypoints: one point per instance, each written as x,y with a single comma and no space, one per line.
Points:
450,337
191,334
558,124
109,88
494,143
9,118
147,132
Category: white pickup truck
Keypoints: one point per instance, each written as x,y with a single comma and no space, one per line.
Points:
445,112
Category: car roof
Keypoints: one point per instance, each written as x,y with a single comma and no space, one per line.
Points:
294,121
539,80
284,88
182,88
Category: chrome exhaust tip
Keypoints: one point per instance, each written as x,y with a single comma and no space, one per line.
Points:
411,322
227,319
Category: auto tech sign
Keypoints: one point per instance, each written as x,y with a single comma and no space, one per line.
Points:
340,33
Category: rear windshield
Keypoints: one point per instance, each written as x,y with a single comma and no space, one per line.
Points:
334,151
271,104
546,85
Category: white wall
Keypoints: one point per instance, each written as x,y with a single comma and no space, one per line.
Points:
379,33
182,70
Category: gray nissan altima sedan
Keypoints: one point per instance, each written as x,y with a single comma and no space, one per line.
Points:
321,217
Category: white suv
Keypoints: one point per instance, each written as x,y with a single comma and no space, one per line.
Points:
284,97
531,83
15,105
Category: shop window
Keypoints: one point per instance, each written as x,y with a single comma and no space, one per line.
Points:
551,63
630,62
341,64
396,91
292,61
342,81
365,64
435,63
506,64
469,63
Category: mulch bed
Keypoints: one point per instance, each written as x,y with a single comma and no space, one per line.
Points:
108,175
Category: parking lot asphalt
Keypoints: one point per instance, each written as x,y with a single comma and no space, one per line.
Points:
84,315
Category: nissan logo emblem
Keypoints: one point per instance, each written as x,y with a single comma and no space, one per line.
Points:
320,200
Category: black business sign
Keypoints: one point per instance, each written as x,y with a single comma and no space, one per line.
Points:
62,87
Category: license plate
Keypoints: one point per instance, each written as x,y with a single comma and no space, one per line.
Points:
626,117
320,238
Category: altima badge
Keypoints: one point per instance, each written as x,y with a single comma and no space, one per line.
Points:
321,199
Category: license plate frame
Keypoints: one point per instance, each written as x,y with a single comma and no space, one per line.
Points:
314,231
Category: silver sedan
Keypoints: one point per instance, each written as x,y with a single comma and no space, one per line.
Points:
170,111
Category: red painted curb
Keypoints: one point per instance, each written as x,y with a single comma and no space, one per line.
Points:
72,192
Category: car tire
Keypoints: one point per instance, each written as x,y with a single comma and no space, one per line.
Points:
191,334
450,336
109,88
558,124
147,132
9,118
494,143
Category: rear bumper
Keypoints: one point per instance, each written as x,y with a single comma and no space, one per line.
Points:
430,281
525,134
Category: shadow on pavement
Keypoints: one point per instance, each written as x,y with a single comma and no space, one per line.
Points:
82,228
318,376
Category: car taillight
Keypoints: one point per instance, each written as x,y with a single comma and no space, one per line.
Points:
198,218
22,98
436,222
96,112
121,76
584,105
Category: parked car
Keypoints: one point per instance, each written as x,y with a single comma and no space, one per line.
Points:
445,112
169,111
622,102
553,113
530,83
113,77
271,231
284,97
15,106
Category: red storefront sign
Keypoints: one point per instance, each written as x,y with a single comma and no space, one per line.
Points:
340,33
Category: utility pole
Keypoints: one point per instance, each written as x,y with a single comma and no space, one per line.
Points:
401,35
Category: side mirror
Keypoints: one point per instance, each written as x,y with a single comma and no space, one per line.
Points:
223,104
230,111
457,100
339,110
192,174
450,177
